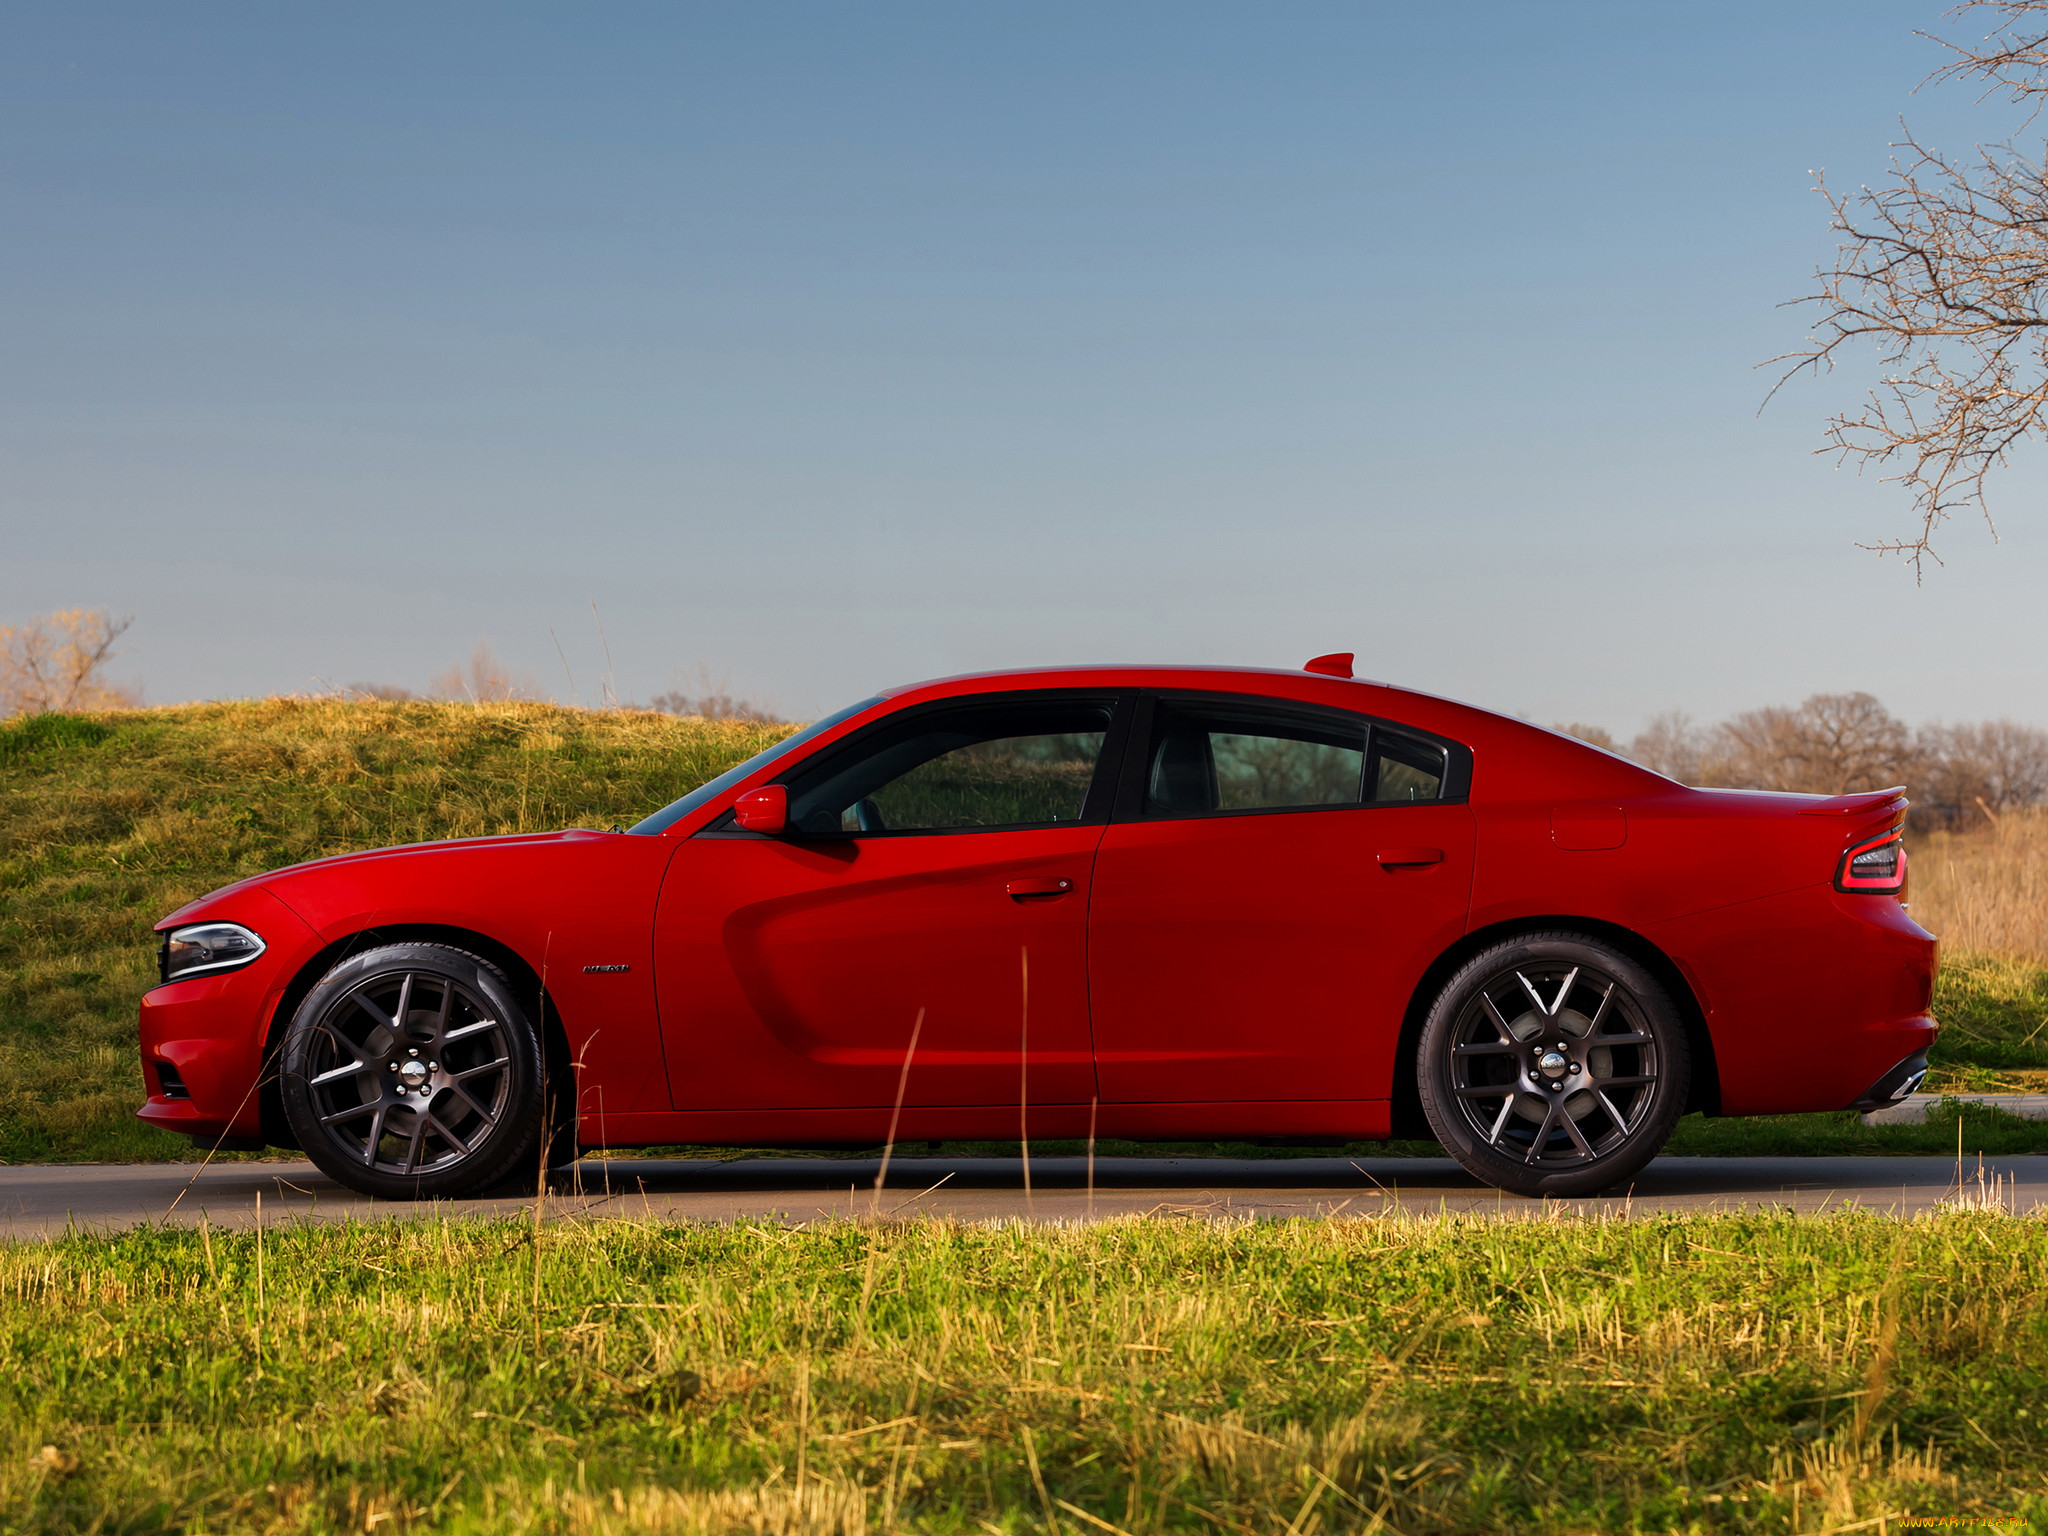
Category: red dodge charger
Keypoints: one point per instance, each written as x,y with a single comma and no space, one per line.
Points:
1139,902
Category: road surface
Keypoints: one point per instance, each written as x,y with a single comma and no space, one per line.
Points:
39,1201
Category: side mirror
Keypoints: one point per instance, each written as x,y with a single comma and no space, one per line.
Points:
763,810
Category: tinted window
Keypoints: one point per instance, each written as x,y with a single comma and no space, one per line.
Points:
1405,769
982,765
1204,759
704,794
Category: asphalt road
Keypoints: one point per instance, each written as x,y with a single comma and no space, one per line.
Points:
37,1201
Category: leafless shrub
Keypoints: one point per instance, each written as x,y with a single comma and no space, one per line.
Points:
712,700
1943,267
58,661
712,706
483,679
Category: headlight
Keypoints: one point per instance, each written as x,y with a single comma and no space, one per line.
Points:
206,947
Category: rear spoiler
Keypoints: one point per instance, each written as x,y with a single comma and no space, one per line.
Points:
1868,801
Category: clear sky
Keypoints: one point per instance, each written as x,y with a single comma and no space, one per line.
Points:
832,345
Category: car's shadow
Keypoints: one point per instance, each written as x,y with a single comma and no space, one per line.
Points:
1408,1177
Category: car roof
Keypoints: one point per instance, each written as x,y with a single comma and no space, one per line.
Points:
1544,762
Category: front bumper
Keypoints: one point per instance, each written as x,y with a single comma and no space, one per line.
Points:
210,1030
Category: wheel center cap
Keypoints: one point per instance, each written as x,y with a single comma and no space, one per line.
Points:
412,1073
1552,1064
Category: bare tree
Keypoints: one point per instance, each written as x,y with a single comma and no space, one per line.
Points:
482,680
59,661
1671,745
1943,266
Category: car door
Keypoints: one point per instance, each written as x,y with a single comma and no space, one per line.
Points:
921,928
1276,880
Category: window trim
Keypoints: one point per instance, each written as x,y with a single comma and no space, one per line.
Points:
1130,796
1096,808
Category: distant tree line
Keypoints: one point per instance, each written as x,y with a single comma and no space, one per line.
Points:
484,679
1837,743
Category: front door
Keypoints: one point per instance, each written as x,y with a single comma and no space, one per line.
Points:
1262,917
921,929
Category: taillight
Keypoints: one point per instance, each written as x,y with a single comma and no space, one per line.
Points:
1876,867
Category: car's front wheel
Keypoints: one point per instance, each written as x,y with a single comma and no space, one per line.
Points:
1553,1064
413,1070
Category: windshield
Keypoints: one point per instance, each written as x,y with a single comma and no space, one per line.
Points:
704,794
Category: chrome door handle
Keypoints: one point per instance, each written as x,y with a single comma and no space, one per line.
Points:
1038,885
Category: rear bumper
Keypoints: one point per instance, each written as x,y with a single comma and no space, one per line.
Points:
1812,998
1895,1085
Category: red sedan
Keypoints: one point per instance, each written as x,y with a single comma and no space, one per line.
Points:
1137,902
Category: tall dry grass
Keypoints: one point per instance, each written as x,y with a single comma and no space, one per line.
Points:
1985,891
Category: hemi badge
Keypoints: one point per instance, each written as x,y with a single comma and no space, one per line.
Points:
592,970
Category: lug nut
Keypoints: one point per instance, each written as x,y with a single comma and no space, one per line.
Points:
412,1053
392,1065
433,1066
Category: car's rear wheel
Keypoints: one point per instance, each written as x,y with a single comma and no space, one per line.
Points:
1553,1064
413,1069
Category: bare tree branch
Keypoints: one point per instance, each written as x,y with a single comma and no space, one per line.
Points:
1944,268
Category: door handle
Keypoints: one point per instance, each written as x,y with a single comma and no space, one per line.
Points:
1038,885
1410,858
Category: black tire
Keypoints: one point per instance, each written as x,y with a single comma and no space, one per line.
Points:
413,1070
1553,1064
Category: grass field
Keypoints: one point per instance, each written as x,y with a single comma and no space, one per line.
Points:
1726,1373
109,821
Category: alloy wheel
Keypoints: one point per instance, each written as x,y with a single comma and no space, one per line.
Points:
1553,1064
408,1072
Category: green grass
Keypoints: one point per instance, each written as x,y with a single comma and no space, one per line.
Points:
1705,1373
109,821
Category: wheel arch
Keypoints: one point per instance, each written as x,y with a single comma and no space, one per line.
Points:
557,1062
1705,1091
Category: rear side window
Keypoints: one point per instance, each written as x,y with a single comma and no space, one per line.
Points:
1218,757
1205,759
1405,769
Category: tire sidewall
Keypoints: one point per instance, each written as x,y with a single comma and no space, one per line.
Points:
1447,1120
511,1143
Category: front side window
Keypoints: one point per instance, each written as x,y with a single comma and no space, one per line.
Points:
958,768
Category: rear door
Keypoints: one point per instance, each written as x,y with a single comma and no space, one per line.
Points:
1276,879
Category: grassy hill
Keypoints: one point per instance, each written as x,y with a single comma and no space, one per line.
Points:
109,821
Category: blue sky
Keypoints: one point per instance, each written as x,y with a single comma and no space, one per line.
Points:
826,346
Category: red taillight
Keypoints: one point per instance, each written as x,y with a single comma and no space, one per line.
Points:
1876,867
